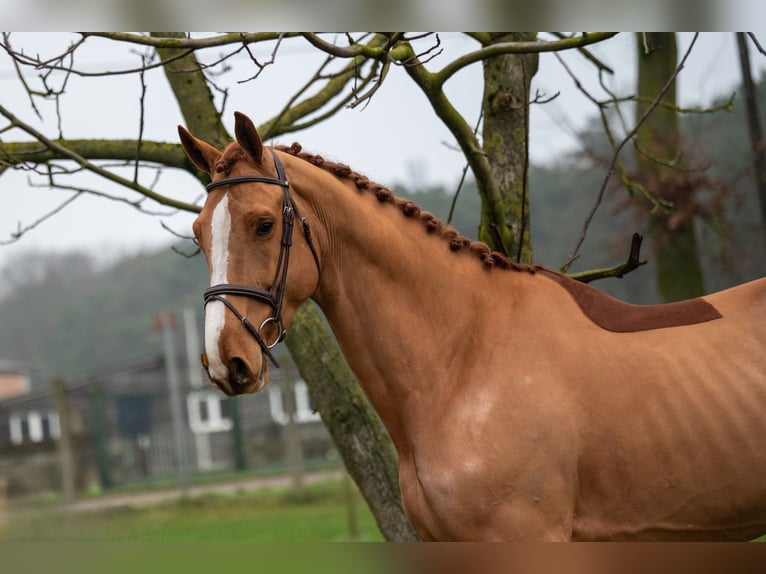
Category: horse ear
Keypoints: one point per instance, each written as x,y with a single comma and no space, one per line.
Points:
247,136
201,153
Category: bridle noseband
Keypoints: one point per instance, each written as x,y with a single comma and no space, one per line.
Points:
275,294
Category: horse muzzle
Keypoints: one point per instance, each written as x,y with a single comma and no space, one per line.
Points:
238,378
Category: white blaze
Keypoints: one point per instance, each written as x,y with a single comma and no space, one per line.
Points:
215,311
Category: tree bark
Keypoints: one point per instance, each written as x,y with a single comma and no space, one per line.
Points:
500,163
363,444
161,153
678,269
507,78
193,94
757,144
357,431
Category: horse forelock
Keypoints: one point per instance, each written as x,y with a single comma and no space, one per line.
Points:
433,225
231,155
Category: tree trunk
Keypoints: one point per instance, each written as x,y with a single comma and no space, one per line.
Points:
359,435
357,431
678,270
757,145
505,219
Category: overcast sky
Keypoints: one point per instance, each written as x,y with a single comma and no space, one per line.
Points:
394,139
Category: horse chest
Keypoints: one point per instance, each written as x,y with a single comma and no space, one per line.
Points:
435,500
467,501
505,481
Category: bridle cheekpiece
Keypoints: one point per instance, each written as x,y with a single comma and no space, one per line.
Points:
275,294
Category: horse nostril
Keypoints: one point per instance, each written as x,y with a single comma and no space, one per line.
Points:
240,370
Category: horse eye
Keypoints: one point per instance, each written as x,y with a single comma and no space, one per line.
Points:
264,228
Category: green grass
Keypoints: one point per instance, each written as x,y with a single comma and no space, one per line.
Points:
267,515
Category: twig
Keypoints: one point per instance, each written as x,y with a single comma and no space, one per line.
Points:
54,64
576,80
466,167
287,119
7,46
174,249
433,52
574,254
187,254
757,43
633,262
588,55
134,203
541,98
177,234
258,65
141,101
19,233
367,96
268,130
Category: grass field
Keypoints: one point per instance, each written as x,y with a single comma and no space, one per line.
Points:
322,513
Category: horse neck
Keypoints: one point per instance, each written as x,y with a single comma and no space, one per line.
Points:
399,302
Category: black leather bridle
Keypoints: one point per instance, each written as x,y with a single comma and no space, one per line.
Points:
274,295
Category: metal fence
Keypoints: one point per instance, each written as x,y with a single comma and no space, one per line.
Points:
122,427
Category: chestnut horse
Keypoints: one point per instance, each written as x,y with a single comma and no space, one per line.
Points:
522,404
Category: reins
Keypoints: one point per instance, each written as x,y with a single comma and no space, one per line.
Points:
274,295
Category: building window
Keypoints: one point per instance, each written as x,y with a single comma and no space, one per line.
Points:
34,426
304,409
206,413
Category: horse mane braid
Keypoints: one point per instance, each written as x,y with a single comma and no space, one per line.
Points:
432,224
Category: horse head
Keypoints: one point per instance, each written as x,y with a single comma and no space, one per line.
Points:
258,274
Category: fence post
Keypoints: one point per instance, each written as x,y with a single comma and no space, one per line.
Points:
66,454
292,435
352,506
201,439
240,462
3,505
165,323
100,437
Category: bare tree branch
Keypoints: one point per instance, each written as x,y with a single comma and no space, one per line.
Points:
287,120
633,262
458,64
188,43
141,101
400,50
352,51
13,154
22,230
599,198
6,45
261,66
367,96
755,41
466,167
88,165
56,64
588,55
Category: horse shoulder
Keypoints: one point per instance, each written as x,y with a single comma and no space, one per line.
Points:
496,467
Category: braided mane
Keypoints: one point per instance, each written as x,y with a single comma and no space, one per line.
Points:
409,209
